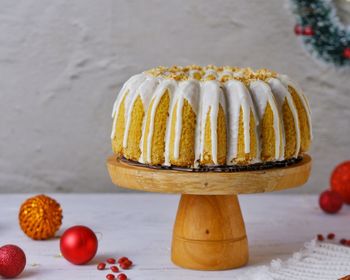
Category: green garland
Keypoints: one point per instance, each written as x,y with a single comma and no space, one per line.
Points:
322,32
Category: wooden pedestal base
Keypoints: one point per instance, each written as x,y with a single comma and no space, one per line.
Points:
209,233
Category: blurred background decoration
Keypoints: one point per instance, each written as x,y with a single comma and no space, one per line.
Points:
324,27
63,62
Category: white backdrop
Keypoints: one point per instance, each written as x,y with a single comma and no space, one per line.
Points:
62,63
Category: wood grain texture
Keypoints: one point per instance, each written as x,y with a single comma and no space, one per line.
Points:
209,233
208,183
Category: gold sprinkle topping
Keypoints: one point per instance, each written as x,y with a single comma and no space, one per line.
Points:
211,72
210,77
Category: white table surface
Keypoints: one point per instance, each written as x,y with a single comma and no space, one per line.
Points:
139,226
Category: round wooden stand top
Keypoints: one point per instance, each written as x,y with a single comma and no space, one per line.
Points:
208,183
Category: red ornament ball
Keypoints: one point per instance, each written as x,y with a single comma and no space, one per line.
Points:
78,245
298,29
340,180
330,202
346,53
308,31
12,261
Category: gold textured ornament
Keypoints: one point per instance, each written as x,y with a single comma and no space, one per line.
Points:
40,217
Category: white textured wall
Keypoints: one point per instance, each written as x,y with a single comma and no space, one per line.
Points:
62,63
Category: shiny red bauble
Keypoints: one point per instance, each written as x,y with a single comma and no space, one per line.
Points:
78,245
330,202
12,261
340,180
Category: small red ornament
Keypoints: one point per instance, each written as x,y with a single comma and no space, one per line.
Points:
346,53
298,29
12,261
330,202
308,31
101,266
340,180
122,276
78,244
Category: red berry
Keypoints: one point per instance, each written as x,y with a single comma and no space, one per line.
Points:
330,236
298,29
342,241
114,268
308,31
330,202
110,261
123,265
101,266
320,237
122,259
126,264
122,276
346,54
110,276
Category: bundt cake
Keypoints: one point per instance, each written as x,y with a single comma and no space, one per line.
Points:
210,116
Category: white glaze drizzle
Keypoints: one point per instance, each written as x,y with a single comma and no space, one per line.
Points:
210,72
146,91
129,105
262,95
212,97
164,85
288,82
129,86
225,73
189,91
238,96
281,94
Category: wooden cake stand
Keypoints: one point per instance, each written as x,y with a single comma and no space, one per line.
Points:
209,231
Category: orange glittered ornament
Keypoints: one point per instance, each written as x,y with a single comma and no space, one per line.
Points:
40,217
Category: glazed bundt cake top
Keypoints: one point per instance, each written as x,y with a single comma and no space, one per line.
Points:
210,72
193,115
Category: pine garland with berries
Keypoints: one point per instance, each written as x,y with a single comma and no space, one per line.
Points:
323,34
